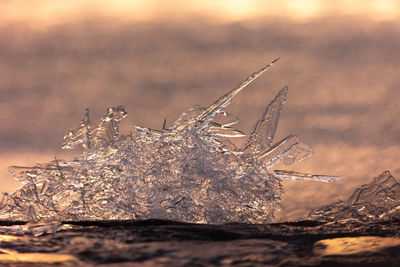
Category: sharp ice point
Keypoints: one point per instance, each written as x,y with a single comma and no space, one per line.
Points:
183,173
225,99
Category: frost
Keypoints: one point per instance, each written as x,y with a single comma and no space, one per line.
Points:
184,172
379,200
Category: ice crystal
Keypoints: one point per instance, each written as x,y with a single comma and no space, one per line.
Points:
379,200
184,172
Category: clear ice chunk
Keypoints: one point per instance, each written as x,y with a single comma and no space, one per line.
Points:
379,200
294,176
80,135
264,129
184,172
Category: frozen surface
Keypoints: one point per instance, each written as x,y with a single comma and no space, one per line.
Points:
166,243
184,172
379,200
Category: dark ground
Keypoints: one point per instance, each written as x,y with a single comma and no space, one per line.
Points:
165,243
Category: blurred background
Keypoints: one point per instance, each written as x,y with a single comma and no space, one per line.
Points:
340,59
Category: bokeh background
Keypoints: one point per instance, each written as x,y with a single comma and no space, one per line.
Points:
340,59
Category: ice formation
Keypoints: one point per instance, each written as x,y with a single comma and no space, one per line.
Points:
379,200
184,172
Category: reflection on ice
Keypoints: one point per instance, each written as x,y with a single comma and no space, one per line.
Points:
184,172
354,245
7,238
9,256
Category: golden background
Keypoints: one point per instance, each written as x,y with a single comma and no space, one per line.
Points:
340,59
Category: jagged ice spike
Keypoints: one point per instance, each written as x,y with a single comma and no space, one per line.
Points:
224,100
185,172
264,130
294,176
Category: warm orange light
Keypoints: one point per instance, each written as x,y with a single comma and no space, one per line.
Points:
13,256
354,245
49,11
303,9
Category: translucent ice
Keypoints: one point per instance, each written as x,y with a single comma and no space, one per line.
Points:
379,200
184,172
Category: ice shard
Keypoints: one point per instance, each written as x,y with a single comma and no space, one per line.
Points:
379,200
184,172
265,128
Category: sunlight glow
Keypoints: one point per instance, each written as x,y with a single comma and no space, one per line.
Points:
385,8
354,245
13,256
52,12
304,9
